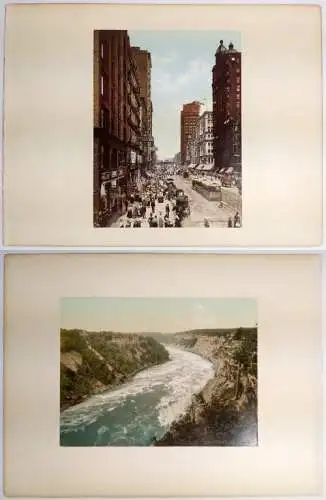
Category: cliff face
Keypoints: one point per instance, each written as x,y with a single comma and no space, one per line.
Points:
224,413
91,362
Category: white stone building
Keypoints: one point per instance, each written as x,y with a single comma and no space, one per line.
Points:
204,140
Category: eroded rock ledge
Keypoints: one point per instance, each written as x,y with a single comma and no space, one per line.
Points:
91,362
224,413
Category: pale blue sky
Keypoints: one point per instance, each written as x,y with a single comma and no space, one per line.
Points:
182,72
163,315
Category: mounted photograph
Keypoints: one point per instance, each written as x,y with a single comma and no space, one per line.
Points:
167,129
158,372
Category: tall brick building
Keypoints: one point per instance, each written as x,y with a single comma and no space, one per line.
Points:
144,64
188,123
117,114
226,88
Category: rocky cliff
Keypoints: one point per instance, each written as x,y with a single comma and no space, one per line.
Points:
91,362
224,413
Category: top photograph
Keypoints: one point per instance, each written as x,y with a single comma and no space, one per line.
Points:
205,118
175,161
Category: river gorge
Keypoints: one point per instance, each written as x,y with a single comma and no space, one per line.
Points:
141,410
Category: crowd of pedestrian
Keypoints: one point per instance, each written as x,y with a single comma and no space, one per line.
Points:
154,205
153,208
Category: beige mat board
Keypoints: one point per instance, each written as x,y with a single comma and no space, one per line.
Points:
48,137
288,458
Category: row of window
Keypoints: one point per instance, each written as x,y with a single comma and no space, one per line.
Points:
202,158
133,77
113,58
203,131
132,95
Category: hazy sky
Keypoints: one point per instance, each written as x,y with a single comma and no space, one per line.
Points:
182,64
156,314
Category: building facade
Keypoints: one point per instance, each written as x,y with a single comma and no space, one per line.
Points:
117,116
192,151
204,139
226,89
177,158
144,64
188,124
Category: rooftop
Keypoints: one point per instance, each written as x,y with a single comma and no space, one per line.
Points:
222,49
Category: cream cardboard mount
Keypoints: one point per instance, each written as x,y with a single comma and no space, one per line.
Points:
49,121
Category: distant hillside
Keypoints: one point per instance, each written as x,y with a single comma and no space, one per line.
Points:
207,331
90,362
168,338
189,338
165,338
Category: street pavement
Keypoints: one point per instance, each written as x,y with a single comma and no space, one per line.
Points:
200,209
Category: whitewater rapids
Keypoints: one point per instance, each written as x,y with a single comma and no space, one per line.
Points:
138,411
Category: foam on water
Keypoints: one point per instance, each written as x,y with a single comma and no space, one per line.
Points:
189,379
159,394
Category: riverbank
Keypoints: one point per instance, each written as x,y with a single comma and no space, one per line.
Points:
224,412
115,385
140,409
94,362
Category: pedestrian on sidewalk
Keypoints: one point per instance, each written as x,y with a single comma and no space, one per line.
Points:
155,221
135,212
177,222
237,222
160,221
129,212
153,205
230,222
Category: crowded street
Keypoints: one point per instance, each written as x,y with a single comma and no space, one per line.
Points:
159,168
169,200
202,209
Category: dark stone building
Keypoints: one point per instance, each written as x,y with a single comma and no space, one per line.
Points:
144,65
117,124
226,87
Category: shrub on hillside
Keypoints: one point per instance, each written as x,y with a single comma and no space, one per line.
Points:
117,364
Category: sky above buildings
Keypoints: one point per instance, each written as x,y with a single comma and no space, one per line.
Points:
165,315
182,64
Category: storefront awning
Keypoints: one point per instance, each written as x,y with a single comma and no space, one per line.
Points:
222,171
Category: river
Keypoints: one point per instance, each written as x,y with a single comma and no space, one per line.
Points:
138,411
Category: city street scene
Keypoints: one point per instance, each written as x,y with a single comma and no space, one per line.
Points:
158,372
167,129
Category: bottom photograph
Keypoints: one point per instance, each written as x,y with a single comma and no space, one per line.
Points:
158,372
